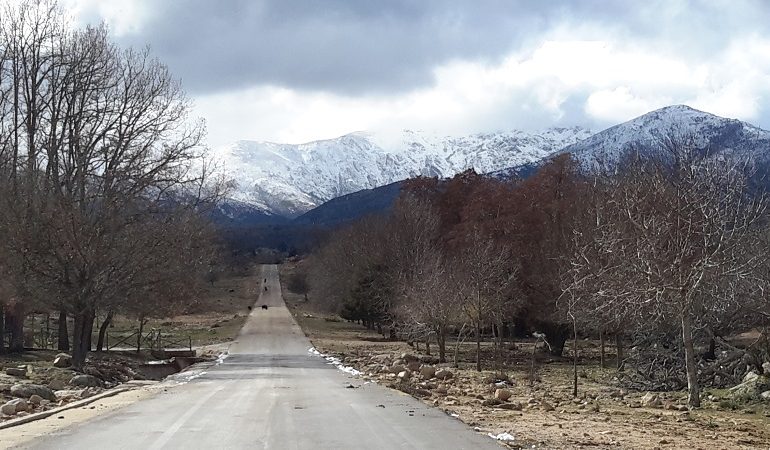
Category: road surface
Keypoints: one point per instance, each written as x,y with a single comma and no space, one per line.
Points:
270,393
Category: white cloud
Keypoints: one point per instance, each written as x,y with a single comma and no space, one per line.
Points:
122,16
588,70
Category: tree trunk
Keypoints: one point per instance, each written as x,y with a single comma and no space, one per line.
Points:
574,359
619,346
64,337
478,347
81,337
441,342
460,340
602,354
427,345
15,321
142,321
693,389
103,331
2,328
711,354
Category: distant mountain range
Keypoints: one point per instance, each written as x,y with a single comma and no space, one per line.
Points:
344,164
289,180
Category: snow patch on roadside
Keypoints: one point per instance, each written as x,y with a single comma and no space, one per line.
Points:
221,358
333,360
502,436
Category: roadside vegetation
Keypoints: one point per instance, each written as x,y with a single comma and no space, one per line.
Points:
532,399
662,253
105,189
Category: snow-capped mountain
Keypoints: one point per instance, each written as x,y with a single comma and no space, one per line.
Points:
647,131
291,179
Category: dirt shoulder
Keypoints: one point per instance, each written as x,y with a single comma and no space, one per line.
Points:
540,413
19,435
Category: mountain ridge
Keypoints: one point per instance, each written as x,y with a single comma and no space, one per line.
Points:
291,179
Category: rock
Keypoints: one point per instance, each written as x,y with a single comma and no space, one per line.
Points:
382,358
751,376
650,400
414,366
503,394
8,409
427,372
751,389
28,390
397,368
15,406
407,357
490,402
765,395
403,375
16,372
766,368
62,360
546,406
421,392
441,390
57,385
443,374
89,392
68,394
35,399
86,381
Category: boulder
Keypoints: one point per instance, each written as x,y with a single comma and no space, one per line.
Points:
57,385
413,365
15,406
62,360
766,368
28,390
90,392
503,394
408,357
35,399
443,374
547,406
427,372
490,402
650,400
397,368
751,389
18,372
765,395
85,381
403,375
751,376
8,409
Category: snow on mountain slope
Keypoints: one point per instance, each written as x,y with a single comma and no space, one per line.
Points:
291,179
646,131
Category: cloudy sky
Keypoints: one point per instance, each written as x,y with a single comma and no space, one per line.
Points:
299,70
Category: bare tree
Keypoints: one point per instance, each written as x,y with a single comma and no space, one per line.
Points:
679,230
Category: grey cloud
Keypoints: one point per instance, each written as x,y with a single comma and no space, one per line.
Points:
370,46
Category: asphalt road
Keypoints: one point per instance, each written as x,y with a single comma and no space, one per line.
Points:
270,393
